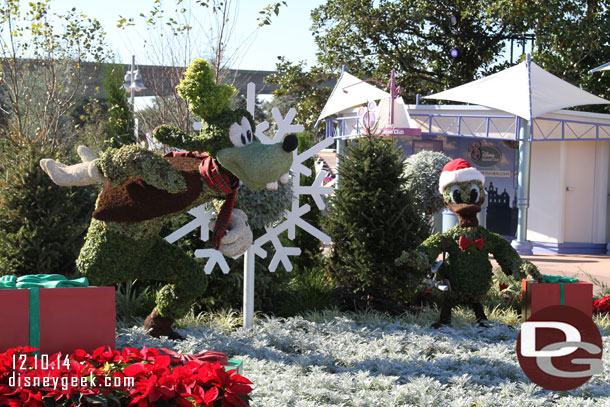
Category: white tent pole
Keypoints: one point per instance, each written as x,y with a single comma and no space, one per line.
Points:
339,147
392,97
523,178
523,189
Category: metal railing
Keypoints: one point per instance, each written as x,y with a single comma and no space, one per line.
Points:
482,126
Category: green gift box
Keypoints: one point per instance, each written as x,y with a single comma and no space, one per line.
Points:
54,314
238,365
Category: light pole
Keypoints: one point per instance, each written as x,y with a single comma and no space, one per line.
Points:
133,83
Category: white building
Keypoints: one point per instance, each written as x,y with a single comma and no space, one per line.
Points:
569,207
546,169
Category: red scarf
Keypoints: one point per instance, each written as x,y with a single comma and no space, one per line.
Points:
218,180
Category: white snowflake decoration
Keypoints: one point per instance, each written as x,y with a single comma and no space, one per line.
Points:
292,218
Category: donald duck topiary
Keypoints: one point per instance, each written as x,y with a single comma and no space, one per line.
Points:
466,269
141,190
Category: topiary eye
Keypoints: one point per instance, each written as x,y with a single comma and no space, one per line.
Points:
241,134
455,194
475,193
236,135
247,130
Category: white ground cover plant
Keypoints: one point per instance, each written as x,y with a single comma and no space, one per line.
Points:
368,359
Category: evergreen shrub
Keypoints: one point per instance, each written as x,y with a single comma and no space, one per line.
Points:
121,123
372,219
42,225
422,172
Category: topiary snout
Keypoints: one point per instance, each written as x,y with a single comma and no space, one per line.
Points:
258,165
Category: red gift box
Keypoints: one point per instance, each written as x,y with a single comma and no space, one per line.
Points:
68,318
537,296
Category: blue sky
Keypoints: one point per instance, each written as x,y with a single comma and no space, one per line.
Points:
253,48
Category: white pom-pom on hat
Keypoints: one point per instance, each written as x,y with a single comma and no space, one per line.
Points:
458,170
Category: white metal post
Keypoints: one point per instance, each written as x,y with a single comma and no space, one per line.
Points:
251,98
249,288
249,264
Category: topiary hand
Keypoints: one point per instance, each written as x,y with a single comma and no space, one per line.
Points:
239,236
531,270
415,259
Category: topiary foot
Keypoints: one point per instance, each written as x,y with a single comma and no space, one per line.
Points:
439,324
158,326
484,323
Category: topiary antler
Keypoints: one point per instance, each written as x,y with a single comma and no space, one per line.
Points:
84,173
207,99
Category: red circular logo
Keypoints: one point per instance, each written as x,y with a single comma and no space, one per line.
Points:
559,348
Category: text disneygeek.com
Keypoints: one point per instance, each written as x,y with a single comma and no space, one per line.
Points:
64,382
43,365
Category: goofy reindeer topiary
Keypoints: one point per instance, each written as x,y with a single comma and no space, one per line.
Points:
143,189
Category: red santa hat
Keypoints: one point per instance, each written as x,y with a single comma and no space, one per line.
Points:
458,170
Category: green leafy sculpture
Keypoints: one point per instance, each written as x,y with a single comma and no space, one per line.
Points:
466,269
421,173
143,189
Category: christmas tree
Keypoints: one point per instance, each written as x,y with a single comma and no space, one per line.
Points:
371,220
42,226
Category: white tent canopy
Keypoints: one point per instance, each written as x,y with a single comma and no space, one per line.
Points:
525,90
349,92
402,118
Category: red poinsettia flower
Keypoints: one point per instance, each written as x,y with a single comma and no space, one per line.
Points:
235,385
167,387
185,376
135,370
213,375
80,355
9,402
132,355
151,389
149,354
161,365
192,381
106,355
29,398
602,306
22,349
5,390
211,396
145,391
238,388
